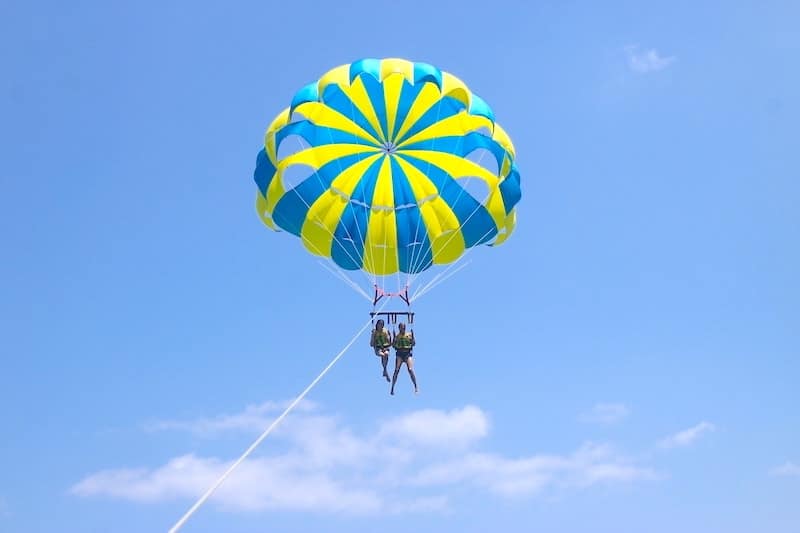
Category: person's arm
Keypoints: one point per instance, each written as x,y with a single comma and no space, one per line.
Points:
372,339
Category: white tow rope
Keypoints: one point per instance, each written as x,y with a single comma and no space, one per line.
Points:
266,432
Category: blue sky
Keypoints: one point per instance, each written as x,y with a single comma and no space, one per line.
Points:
627,361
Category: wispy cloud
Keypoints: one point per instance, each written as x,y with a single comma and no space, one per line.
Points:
787,469
606,413
687,436
647,60
456,428
259,484
253,418
590,464
328,467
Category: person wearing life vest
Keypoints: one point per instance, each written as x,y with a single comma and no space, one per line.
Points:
381,341
403,344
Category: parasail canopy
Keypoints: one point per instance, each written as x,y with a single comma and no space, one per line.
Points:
387,166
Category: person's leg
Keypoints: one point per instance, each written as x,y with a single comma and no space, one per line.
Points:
398,362
410,366
384,362
379,353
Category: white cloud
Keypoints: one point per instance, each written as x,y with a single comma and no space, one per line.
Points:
253,418
606,413
456,428
433,504
787,469
589,465
643,61
687,436
325,466
258,484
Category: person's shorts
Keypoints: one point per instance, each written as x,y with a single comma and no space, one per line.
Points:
403,355
381,351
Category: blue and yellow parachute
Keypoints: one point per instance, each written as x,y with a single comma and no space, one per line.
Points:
385,147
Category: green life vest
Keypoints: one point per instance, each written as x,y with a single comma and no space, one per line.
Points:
403,342
382,339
